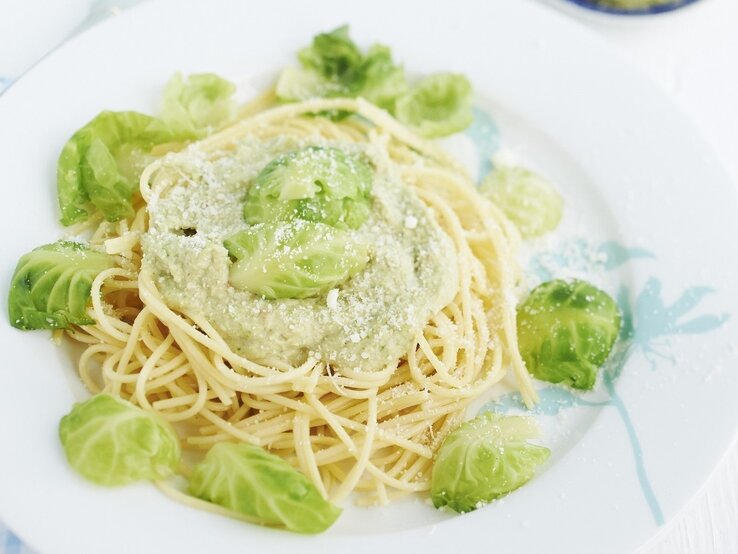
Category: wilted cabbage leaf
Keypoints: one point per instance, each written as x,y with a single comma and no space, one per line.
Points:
526,198
566,331
333,65
50,288
484,459
437,106
100,165
198,104
296,259
112,442
249,480
315,184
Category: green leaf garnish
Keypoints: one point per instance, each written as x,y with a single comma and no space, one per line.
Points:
437,106
112,442
383,81
566,331
197,105
250,481
484,459
50,288
333,65
315,184
99,166
526,198
334,56
297,259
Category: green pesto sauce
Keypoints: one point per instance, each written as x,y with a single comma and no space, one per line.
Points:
364,324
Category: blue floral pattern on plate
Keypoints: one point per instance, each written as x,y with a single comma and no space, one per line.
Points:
648,326
4,83
10,544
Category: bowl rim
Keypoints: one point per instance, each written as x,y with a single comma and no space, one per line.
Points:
652,10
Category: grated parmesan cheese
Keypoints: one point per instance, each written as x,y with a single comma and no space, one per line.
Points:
360,325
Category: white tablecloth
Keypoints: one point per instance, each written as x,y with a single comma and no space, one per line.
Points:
692,54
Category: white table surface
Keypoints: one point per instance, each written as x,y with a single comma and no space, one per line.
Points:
692,54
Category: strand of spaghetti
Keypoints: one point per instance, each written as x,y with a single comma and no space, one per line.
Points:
230,429
164,381
343,391
196,407
144,374
416,470
118,285
132,341
123,243
430,413
363,459
382,498
81,334
145,179
360,106
305,454
440,368
169,368
113,379
492,226
98,334
84,364
493,375
265,417
395,405
375,377
396,483
527,391
201,365
238,414
400,464
331,420
273,427
383,435
175,402
391,400
106,323
345,420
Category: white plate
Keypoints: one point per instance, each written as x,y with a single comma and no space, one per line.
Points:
649,212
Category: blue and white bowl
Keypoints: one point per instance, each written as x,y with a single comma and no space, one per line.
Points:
653,10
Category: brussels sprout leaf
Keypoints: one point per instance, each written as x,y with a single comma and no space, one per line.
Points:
526,198
250,481
566,331
484,459
437,106
315,184
50,288
333,65
297,259
99,166
197,105
112,442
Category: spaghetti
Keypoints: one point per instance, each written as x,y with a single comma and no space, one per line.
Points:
370,432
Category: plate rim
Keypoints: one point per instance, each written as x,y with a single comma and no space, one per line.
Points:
147,5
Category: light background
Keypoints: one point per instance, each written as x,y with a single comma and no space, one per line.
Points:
692,54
